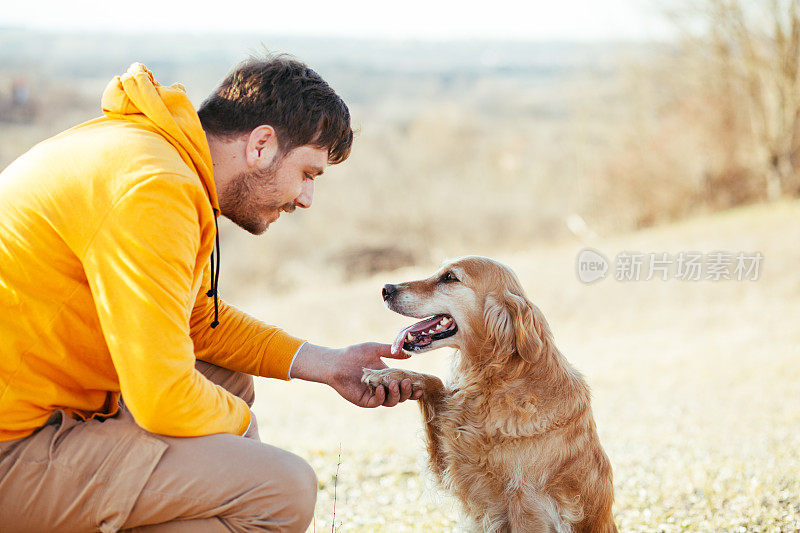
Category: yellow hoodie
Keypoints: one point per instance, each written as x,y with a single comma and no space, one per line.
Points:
105,238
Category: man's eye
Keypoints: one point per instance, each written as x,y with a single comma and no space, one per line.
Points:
448,277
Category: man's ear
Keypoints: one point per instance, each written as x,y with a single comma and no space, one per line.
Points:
261,147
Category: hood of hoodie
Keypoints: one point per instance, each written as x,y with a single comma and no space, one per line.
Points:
138,97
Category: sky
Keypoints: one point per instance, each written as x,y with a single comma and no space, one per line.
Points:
409,19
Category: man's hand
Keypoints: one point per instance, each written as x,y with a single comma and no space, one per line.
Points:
342,370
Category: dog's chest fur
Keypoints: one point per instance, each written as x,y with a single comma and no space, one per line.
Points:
476,454
486,455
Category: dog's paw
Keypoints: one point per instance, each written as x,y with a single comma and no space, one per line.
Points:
374,378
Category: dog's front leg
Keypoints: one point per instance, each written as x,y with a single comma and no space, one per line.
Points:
430,403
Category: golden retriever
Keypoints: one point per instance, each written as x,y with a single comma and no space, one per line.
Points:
512,435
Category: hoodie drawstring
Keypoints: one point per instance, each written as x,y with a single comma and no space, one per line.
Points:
214,291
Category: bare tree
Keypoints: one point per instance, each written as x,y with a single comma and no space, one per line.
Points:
752,49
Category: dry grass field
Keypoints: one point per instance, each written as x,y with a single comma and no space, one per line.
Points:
489,148
696,385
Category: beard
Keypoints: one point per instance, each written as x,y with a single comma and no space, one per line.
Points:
249,194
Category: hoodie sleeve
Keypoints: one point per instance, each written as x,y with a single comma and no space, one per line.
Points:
240,342
140,266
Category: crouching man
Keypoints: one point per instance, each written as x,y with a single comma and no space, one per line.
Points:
125,381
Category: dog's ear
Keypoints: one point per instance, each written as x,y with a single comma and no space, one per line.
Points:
513,324
529,333
499,326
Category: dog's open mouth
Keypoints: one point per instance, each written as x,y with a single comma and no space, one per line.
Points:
422,334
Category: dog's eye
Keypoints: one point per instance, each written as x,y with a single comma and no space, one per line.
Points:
448,277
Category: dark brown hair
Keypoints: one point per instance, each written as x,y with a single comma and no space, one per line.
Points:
283,93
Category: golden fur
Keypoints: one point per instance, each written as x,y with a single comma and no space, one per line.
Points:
512,435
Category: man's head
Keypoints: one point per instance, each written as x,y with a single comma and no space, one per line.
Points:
273,125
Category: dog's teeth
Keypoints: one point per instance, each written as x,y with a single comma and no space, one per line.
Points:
410,337
430,331
445,321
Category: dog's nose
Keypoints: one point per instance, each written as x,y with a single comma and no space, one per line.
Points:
388,291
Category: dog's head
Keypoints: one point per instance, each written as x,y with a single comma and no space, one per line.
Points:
473,304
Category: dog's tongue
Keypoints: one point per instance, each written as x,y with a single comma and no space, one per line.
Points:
426,324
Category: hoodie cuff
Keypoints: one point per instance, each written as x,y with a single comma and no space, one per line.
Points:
289,375
279,355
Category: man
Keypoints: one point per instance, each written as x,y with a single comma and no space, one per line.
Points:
124,380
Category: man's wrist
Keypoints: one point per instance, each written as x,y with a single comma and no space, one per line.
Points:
313,363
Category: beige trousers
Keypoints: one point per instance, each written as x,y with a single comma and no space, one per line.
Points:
111,475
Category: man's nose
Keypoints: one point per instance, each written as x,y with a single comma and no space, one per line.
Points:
389,291
306,196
